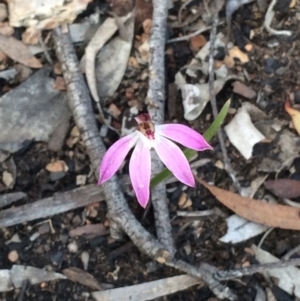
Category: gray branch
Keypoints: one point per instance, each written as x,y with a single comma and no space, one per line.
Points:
156,104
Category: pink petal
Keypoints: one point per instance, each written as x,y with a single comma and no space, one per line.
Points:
140,171
175,160
115,155
184,135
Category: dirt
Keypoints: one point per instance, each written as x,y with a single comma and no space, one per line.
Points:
119,263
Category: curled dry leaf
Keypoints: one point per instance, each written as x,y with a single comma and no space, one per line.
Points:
272,215
295,115
17,51
284,188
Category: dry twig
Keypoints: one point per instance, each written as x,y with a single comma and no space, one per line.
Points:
227,164
156,105
59,203
255,268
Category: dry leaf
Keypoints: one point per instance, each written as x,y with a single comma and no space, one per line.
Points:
57,69
44,14
98,229
82,277
185,201
147,26
236,53
17,51
114,110
284,188
243,90
293,3
5,29
3,12
57,166
197,42
272,215
295,115
31,36
60,84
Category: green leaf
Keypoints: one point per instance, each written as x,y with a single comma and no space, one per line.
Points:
189,153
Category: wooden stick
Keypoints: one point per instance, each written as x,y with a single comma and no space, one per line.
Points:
58,203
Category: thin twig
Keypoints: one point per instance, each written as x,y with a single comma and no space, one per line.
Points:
156,105
291,253
193,34
226,160
120,214
255,268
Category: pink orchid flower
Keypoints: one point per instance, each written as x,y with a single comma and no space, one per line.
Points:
149,136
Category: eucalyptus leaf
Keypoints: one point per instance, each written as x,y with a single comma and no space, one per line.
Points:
189,153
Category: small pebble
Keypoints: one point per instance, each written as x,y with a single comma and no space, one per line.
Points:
13,256
219,164
73,247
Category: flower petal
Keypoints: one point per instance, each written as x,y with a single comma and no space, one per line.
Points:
175,160
140,171
184,135
115,155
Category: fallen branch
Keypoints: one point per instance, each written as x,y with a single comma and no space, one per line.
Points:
156,106
119,212
58,203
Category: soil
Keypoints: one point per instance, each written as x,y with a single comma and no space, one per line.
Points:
119,263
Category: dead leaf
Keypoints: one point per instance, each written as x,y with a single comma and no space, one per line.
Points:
114,110
82,277
293,3
31,36
57,69
57,166
3,12
185,201
272,215
5,29
132,62
98,229
17,51
44,14
243,90
197,42
143,11
295,115
60,84
236,53
284,188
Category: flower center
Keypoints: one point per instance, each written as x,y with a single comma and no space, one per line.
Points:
147,129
